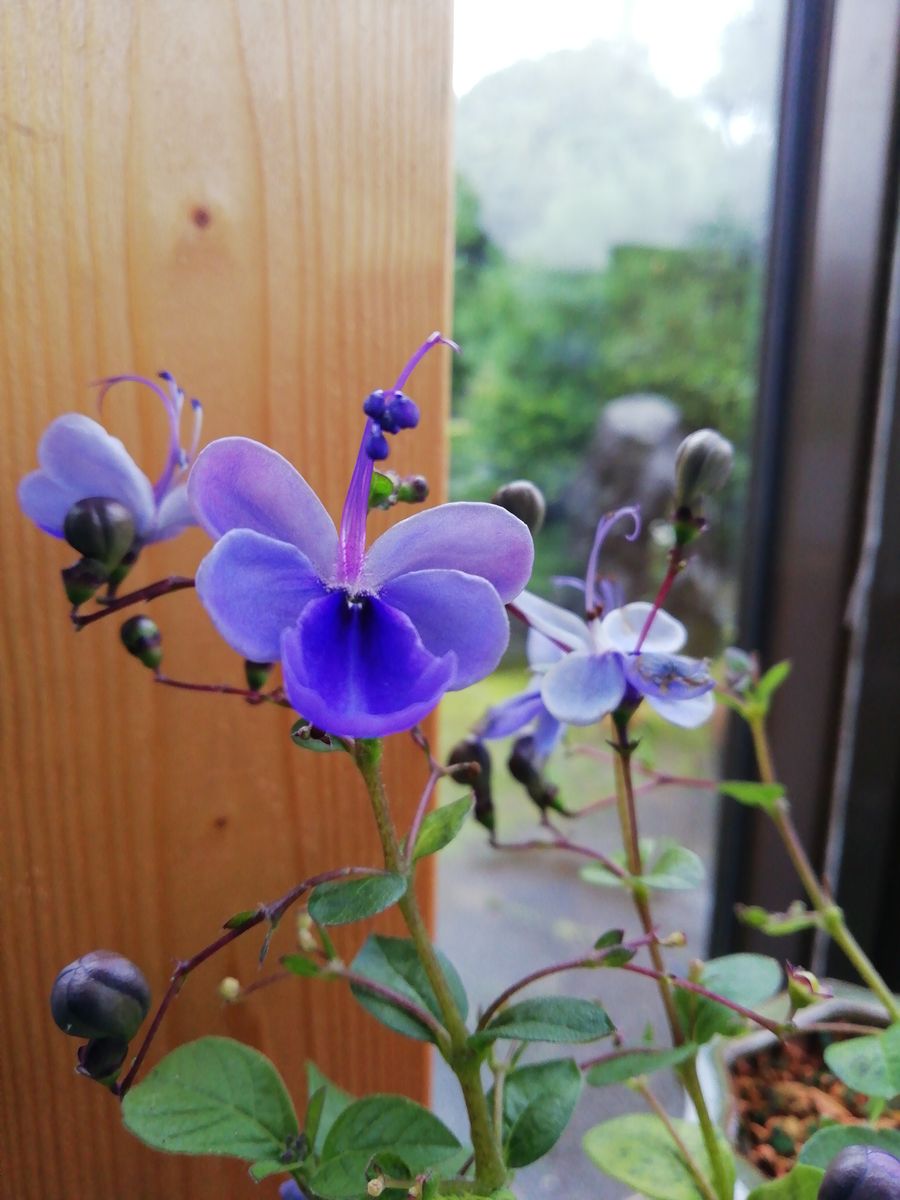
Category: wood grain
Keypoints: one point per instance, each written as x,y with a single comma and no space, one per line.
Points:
254,195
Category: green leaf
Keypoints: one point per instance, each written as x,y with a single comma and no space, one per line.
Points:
756,795
538,1102
326,1103
375,1126
239,920
393,962
547,1019
747,979
870,1065
340,903
802,1183
299,964
627,1064
639,1151
772,681
826,1143
441,826
670,867
797,918
381,490
612,937
730,701
264,1168
212,1096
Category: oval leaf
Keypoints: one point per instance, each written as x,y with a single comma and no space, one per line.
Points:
213,1096
748,979
802,1183
870,1065
756,795
376,1126
441,826
676,869
628,1064
394,963
341,903
826,1143
548,1019
638,1150
538,1102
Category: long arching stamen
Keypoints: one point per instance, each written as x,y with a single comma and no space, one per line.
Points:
434,339
604,525
197,409
172,399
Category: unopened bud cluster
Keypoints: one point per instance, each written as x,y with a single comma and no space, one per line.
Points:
472,767
102,531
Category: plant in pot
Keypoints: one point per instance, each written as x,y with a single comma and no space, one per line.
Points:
368,638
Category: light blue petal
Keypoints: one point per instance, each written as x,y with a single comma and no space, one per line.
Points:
687,713
174,514
45,502
556,623
584,687
511,715
548,733
622,627
541,651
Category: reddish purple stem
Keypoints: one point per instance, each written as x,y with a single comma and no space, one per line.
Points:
175,583
686,985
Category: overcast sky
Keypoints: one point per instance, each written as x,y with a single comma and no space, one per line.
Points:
681,36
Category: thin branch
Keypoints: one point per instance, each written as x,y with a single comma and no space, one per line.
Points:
779,1029
175,583
689,1161
419,817
422,1015
561,842
225,689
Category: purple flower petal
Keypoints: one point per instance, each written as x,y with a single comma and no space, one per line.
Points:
558,624
511,715
237,483
82,460
454,611
174,515
479,539
668,676
622,628
253,589
357,668
547,734
541,651
584,687
45,502
688,713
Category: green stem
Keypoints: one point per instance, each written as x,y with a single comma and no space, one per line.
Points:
833,919
689,1161
490,1169
687,1072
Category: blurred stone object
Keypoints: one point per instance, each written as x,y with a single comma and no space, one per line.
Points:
631,460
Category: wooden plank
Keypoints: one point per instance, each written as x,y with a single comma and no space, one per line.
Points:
256,196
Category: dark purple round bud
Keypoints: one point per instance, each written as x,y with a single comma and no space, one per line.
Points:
100,995
141,637
101,529
290,1190
102,1058
256,674
83,579
525,767
861,1173
524,500
413,489
377,447
404,411
472,761
373,405
703,463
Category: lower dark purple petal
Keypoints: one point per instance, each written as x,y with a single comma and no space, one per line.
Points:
358,668
454,611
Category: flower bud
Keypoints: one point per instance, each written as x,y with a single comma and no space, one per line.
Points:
102,1058
256,674
476,774
804,988
861,1173
525,768
413,489
83,579
229,989
100,995
375,1187
141,637
703,463
101,529
740,670
524,500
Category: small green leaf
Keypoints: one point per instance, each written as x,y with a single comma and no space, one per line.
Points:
802,1183
826,1143
326,1103
870,1065
441,826
381,490
676,869
213,1096
748,979
638,1151
380,1125
299,964
797,918
547,1019
307,737
538,1103
340,903
731,702
772,681
264,1168
394,963
612,937
239,920
756,795
628,1064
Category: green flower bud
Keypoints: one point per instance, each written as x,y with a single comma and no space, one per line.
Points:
476,774
102,1058
804,988
141,637
413,489
703,463
524,500
123,569
83,579
861,1173
100,995
101,529
256,674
